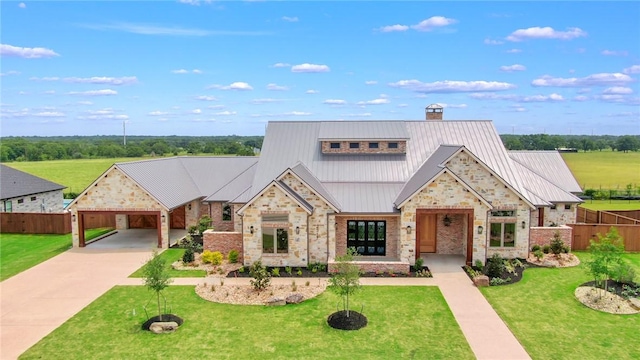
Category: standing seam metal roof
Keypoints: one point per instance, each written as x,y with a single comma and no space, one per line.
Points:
362,130
549,165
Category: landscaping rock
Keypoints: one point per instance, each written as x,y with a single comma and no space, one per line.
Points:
294,298
480,281
276,301
163,327
635,303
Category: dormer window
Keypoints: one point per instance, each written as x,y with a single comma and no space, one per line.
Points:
373,145
335,145
393,145
354,145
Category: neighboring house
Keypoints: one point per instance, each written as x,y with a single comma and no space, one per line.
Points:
22,192
390,189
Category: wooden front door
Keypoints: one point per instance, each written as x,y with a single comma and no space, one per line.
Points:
426,233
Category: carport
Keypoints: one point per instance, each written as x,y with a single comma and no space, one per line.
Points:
153,217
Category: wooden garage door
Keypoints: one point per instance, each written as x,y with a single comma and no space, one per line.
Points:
143,222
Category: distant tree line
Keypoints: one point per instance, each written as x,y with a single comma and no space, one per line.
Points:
579,142
88,147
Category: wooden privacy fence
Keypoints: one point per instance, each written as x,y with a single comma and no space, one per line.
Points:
35,223
631,217
582,233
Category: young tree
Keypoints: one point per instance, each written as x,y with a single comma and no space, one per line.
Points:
606,256
346,280
156,277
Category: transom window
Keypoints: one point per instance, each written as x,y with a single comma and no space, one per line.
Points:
20,201
275,234
503,213
567,206
553,206
373,145
354,145
367,237
226,212
502,235
33,198
392,145
335,145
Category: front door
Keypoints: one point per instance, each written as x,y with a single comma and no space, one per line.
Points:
426,233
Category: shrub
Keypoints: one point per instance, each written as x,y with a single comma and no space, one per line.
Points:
275,272
241,269
478,263
495,266
498,281
546,249
556,244
565,249
233,256
294,287
261,277
535,248
287,269
299,273
508,265
516,262
423,273
630,291
188,256
212,257
538,254
418,265
624,273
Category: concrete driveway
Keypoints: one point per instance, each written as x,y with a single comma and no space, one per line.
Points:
135,239
38,300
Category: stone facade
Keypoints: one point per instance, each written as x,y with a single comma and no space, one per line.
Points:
46,202
363,148
116,192
560,215
397,267
392,233
223,242
122,221
542,235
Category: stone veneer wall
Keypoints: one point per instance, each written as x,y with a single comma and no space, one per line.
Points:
116,192
453,238
237,219
392,233
192,216
383,147
46,202
560,216
377,266
223,242
542,235
216,217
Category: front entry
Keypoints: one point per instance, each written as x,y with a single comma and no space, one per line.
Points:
427,233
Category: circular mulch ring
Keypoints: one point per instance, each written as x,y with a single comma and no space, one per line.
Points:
165,318
605,301
339,320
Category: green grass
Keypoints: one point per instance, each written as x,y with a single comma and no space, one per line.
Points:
606,169
170,256
611,204
550,323
404,323
19,252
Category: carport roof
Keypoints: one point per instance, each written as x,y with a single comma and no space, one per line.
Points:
178,180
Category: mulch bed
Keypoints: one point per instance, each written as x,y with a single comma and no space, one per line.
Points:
612,286
307,273
339,320
510,278
165,318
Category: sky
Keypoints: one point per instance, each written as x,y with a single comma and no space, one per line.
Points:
202,67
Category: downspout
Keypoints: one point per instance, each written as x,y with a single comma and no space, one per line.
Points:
308,242
486,235
242,235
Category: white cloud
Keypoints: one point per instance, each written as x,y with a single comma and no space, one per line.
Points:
49,114
402,105
10,72
103,114
85,102
22,5
311,91
545,33
148,29
392,28
374,102
370,82
180,71
358,115
492,96
276,87
518,108
280,65
103,80
196,71
580,98
238,85
449,86
50,92
226,113
309,68
433,22
157,113
517,98
453,106
542,98
49,78
614,53
206,98
196,111
265,101
513,51
104,92
334,102
296,113
493,42
194,2
634,69
618,90
602,79
290,19
514,67
25,52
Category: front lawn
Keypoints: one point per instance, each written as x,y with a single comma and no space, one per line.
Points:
404,323
550,323
19,252
170,256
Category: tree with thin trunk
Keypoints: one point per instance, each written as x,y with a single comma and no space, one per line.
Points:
156,277
346,279
606,255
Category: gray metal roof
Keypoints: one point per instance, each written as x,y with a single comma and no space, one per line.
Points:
235,186
362,130
547,191
16,183
303,173
430,168
549,165
365,197
178,180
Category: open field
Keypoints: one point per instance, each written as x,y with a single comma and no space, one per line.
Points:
404,323
604,169
543,313
611,204
18,252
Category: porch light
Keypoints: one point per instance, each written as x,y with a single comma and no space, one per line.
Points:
408,229
189,206
480,229
524,225
251,229
73,217
164,218
297,229
446,220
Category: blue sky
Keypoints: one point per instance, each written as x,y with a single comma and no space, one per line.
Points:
220,68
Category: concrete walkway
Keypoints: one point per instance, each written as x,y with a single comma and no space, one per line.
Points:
38,300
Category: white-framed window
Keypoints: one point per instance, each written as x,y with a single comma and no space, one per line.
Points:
275,233
502,235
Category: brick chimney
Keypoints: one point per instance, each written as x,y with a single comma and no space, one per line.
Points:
434,112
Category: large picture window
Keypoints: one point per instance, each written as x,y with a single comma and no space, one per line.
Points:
367,237
502,235
275,234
